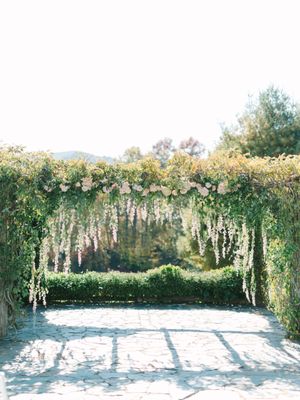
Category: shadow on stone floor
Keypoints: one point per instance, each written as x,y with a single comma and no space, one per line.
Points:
33,374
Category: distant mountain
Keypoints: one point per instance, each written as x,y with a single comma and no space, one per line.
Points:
80,155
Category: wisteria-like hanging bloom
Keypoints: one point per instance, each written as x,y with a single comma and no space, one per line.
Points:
208,185
63,187
144,212
77,184
174,192
157,211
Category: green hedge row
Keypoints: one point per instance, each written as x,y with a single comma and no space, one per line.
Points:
165,284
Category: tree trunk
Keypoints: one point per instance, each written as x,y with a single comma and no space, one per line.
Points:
3,317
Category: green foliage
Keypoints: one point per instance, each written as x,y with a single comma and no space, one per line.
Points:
269,126
283,260
167,283
253,193
131,155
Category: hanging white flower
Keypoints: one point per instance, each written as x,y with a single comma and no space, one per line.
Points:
174,192
114,223
157,211
63,187
208,185
193,184
77,184
132,213
144,212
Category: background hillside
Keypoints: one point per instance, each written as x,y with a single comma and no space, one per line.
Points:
79,155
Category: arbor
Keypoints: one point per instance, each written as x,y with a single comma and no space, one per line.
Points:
234,202
269,126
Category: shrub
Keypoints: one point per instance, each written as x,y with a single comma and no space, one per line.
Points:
167,283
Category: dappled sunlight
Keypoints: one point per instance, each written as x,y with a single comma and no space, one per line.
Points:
169,350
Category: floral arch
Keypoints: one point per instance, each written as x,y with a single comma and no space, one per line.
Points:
242,205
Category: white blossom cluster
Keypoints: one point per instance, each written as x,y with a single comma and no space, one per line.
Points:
87,184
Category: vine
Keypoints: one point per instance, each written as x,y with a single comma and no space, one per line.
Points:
48,208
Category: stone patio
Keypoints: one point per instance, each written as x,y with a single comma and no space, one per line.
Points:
152,353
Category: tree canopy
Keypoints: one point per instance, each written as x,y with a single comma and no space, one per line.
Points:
269,126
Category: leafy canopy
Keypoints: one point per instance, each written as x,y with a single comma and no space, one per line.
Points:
269,126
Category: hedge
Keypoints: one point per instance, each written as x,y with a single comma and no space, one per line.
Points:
165,284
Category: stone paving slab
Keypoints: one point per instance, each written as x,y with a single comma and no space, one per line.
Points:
150,352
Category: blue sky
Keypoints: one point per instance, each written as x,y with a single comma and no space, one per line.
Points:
101,76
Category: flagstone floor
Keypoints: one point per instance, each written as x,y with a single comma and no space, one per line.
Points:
151,353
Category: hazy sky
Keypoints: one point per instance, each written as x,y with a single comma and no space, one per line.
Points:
101,76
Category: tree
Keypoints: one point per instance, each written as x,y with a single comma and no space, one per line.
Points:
132,154
269,126
192,147
163,150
